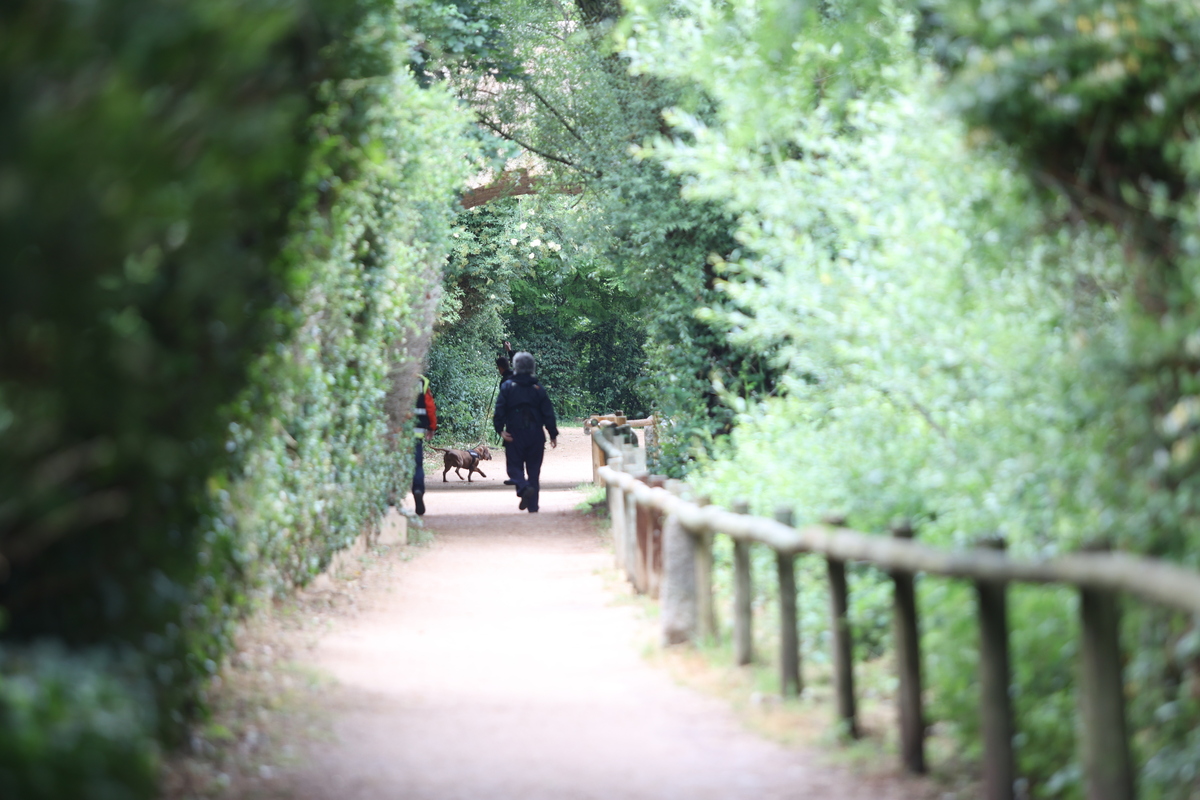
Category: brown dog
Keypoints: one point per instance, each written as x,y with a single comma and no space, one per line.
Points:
465,459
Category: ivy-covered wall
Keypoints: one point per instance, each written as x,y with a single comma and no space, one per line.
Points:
222,225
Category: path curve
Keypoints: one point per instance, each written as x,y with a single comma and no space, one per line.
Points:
496,666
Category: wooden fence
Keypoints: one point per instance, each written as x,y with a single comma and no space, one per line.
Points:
664,542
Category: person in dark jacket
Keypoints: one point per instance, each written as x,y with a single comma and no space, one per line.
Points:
523,410
502,367
504,363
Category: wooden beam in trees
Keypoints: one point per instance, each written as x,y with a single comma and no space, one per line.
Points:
511,184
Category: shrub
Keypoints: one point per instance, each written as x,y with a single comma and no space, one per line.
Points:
74,727
957,347
152,154
221,220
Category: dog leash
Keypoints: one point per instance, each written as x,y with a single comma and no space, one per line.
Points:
486,410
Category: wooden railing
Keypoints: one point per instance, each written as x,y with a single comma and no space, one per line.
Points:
664,543
617,418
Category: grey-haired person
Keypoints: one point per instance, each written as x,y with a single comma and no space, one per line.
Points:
523,416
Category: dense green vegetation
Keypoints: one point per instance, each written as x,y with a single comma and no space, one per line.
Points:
968,234
568,101
931,259
510,278
220,221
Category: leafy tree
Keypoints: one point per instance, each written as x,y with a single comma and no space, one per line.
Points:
587,333
470,329
949,331
510,278
574,109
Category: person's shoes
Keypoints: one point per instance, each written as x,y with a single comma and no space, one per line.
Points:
419,501
524,494
510,483
533,511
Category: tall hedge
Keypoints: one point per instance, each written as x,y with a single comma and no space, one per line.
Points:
221,223
151,155
335,448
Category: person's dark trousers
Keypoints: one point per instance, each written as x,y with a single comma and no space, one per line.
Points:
418,481
523,459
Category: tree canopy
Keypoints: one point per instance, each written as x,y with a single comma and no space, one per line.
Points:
930,259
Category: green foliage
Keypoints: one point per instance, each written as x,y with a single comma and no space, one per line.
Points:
223,220
1098,98
585,329
946,355
938,264
461,35
471,333
576,111
143,275
320,468
463,376
510,278
1098,101
73,727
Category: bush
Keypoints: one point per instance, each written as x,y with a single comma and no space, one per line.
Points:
74,727
152,154
327,442
957,346
222,220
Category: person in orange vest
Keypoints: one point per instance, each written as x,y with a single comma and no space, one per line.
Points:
425,425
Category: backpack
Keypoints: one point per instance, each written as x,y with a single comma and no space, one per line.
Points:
526,415
426,408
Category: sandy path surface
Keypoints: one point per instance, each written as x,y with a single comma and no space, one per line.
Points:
496,665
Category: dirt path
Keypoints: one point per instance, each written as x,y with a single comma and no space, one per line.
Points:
495,665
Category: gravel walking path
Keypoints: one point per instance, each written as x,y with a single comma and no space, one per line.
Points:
496,666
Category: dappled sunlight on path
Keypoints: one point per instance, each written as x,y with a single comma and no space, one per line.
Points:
497,665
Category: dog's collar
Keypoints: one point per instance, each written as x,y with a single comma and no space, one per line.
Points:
473,454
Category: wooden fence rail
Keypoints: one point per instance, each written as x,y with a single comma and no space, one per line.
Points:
685,565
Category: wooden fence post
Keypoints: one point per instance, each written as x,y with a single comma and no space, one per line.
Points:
706,614
843,642
654,543
743,638
599,459
790,680
1107,769
908,665
629,543
999,770
616,514
679,596
641,544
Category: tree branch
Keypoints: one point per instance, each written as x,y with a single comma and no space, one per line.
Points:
505,135
553,110
511,184
911,402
